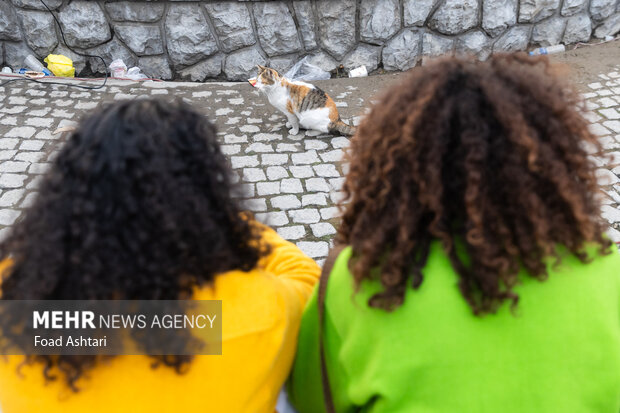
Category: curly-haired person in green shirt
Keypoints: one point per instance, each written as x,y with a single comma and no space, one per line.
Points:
477,276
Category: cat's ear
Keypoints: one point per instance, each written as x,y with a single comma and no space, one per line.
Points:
261,68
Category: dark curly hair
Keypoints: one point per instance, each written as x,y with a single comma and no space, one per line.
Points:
487,157
136,206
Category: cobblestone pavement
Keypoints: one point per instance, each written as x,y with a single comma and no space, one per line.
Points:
291,182
603,102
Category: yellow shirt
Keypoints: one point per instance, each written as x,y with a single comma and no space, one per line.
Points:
261,310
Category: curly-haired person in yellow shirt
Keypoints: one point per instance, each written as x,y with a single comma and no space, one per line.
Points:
138,206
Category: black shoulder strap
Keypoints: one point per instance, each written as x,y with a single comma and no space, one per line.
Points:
327,269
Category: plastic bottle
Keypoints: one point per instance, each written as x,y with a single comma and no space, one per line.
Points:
548,50
33,63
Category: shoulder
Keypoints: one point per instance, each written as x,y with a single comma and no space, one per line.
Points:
605,263
252,302
338,259
340,283
242,289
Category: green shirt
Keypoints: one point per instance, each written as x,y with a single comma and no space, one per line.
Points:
558,352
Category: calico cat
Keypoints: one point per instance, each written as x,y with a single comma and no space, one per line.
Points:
304,105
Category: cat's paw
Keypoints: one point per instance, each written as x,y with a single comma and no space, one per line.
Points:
294,131
287,124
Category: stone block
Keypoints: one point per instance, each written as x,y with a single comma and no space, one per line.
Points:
40,31
379,20
402,51
601,9
455,16
241,65
232,23
498,15
609,27
129,11
189,39
363,54
208,68
276,28
9,28
475,43
549,32
306,22
336,25
415,12
143,40
516,38
578,29
84,24
533,11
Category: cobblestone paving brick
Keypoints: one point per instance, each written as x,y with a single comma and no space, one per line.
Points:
292,183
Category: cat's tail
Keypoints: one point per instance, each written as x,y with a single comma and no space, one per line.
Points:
340,127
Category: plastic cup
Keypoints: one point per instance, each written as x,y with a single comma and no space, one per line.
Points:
33,63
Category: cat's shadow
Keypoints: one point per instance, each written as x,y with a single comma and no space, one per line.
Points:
280,127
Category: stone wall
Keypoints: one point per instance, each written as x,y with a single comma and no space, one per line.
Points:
199,40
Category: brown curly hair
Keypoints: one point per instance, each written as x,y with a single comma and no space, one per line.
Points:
487,157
